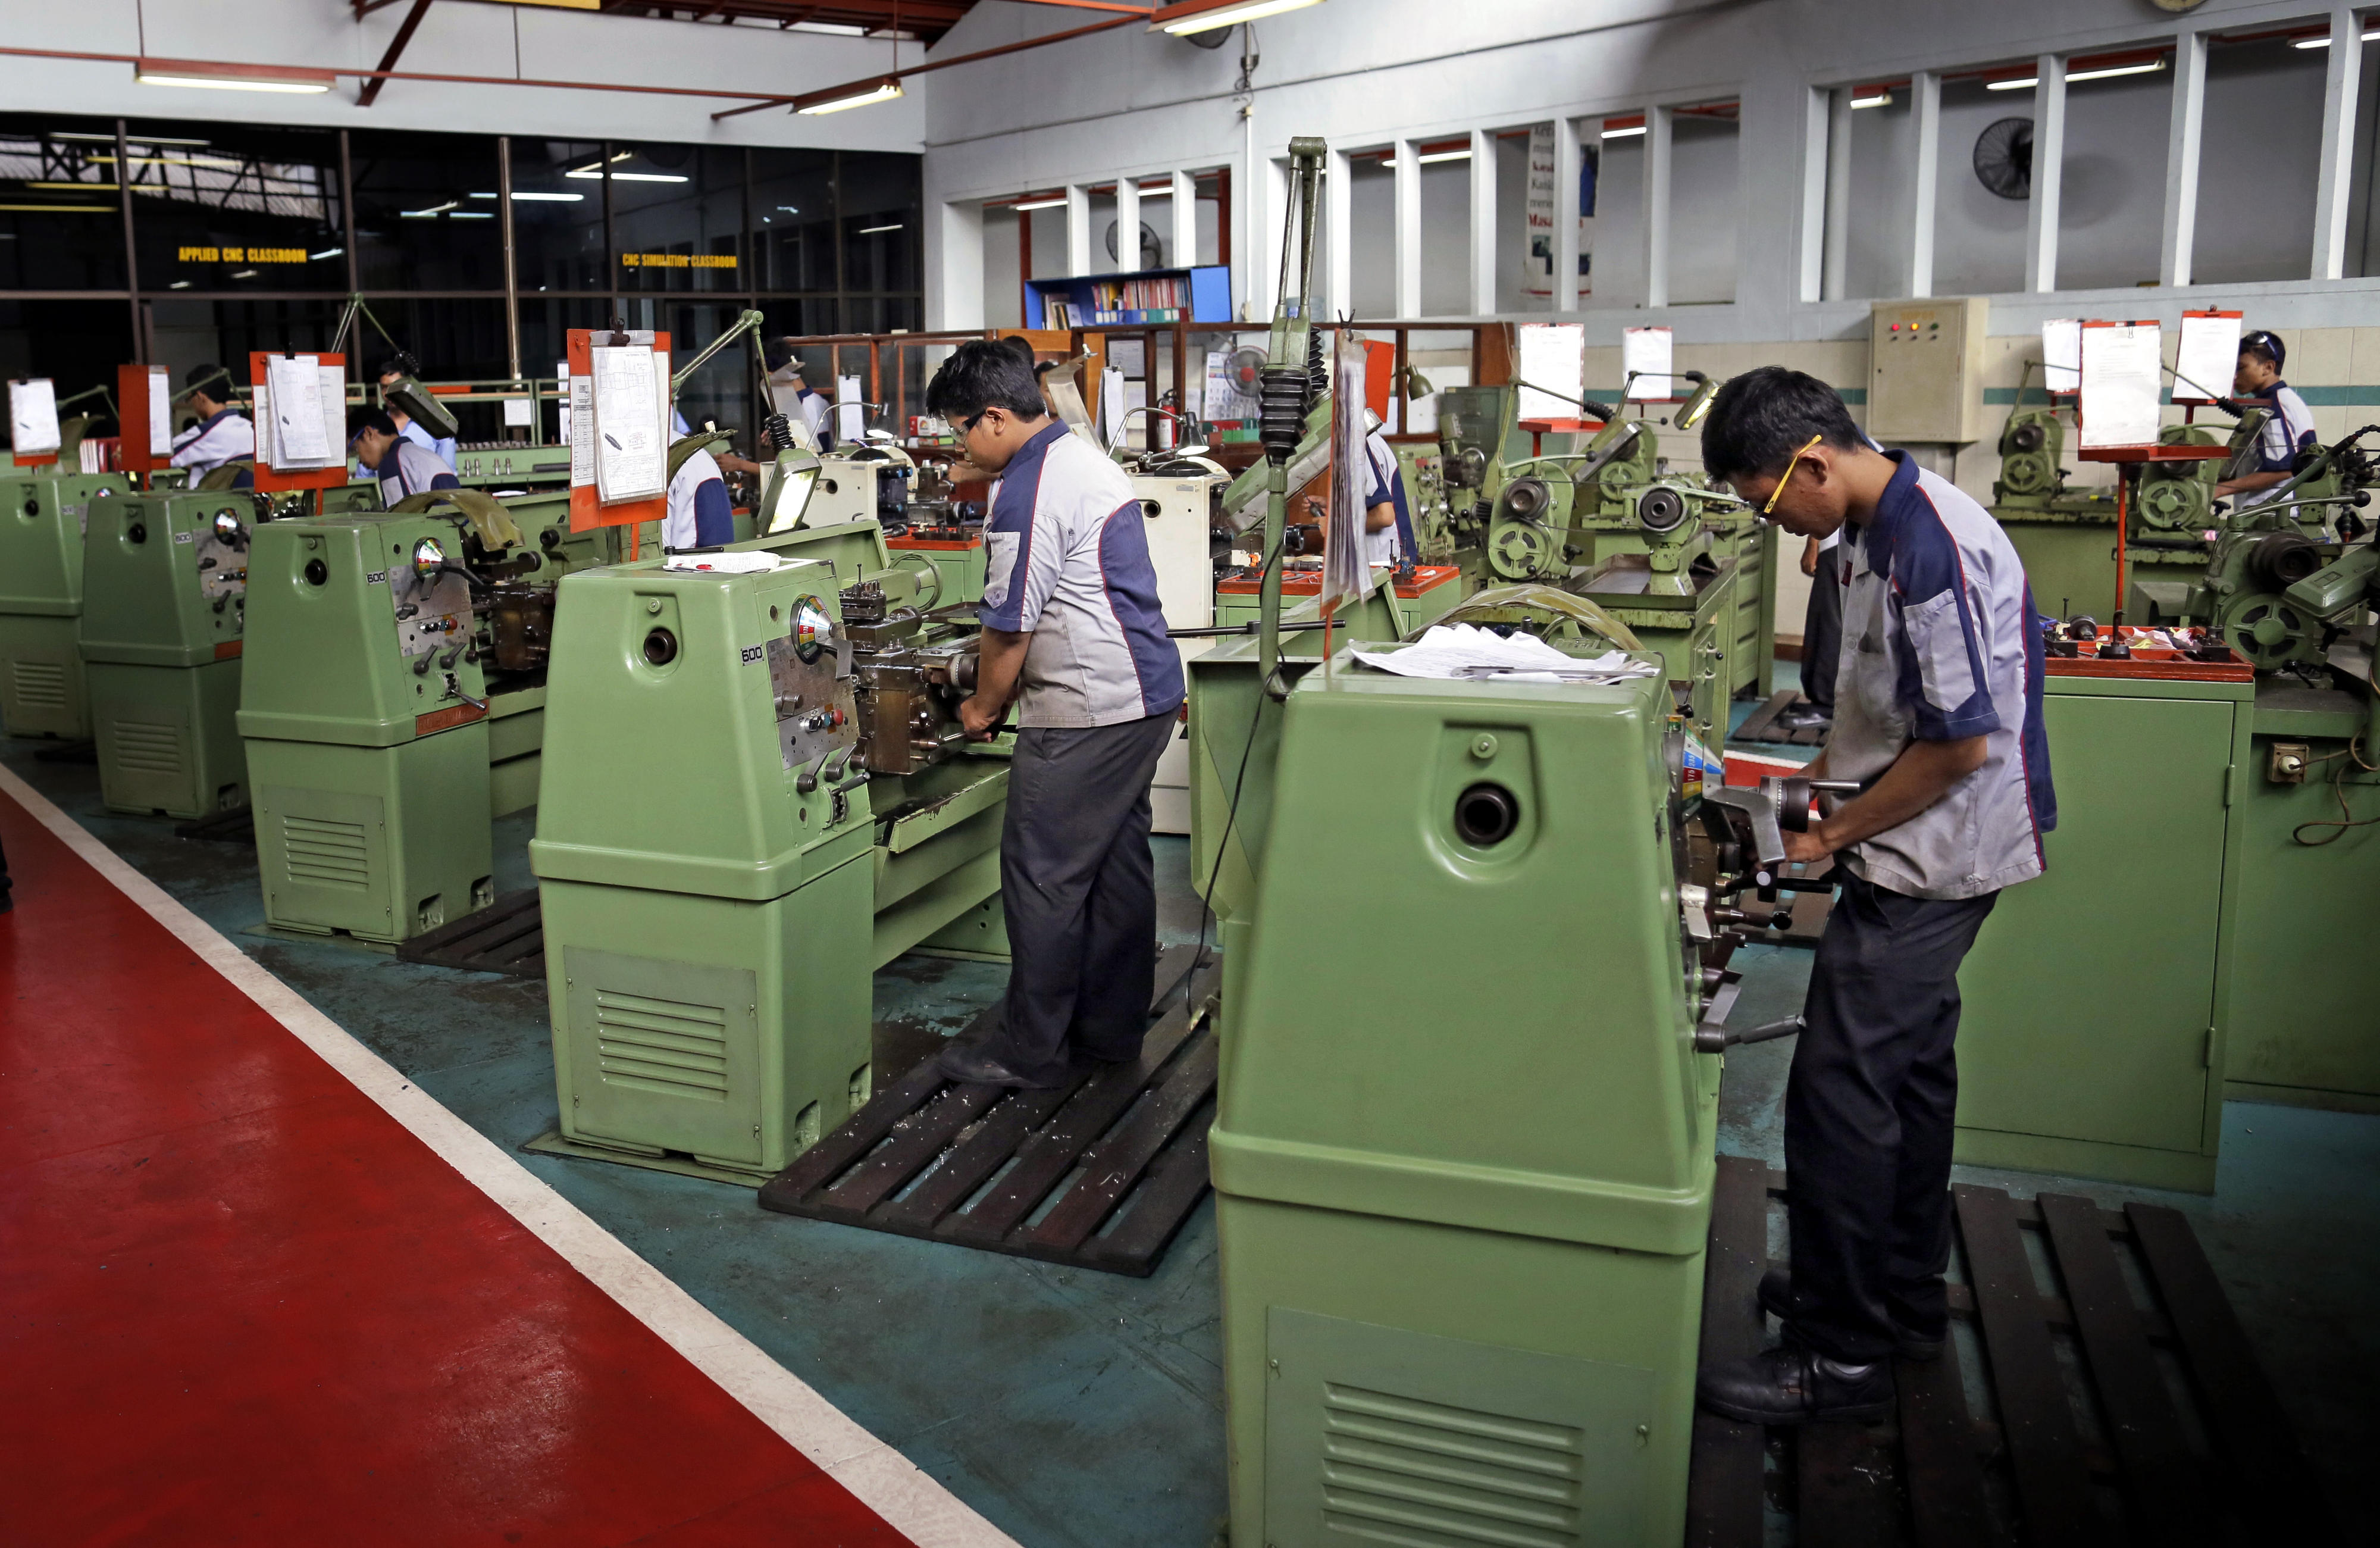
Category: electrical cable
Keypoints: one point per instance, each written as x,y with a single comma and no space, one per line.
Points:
1230,817
2347,817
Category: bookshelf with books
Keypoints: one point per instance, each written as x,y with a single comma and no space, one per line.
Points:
1151,296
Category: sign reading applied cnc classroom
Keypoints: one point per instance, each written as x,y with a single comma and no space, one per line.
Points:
241,255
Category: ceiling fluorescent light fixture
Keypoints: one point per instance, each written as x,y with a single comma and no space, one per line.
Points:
592,172
1039,204
1622,128
522,196
873,230
231,77
1204,15
2148,66
839,99
1436,156
431,213
326,252
2320,40
1875,97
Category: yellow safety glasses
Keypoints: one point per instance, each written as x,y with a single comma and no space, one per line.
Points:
1788,473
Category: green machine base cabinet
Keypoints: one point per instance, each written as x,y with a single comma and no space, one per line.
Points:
1463,1224
2098,997
163,626
753,797
41,521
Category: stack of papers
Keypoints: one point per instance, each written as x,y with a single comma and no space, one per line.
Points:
1466,651
758,562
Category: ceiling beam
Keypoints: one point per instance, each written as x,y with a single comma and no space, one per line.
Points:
395,47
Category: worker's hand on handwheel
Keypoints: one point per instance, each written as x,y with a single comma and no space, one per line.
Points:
981,717
1805,846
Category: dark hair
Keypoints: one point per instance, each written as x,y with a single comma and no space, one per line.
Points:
1760,419
362,419
2266,345
395,365
206,379
779,354
985,373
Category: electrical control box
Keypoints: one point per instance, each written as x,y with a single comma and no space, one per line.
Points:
1926,370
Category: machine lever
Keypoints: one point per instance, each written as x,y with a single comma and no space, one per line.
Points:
1718,1040
808,780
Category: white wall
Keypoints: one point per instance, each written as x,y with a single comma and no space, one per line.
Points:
1364,72
474,40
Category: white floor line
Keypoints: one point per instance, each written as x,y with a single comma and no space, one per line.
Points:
877,1475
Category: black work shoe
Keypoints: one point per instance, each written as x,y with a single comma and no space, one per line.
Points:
1777,1299
976,1067
1793,1384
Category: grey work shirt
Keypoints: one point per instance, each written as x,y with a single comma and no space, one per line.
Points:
1940,643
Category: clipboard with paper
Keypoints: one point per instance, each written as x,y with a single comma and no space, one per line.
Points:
145,396
300,407
619,407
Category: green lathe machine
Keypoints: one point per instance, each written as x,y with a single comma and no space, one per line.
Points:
41,521
162,626
396,678
756,793
1461,1239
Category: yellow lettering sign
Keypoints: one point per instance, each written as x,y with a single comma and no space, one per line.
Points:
200,255
677,260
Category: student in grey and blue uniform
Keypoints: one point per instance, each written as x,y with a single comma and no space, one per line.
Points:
222,433
2257,380
1388,523
699,513
1938,717
403,468
1073,637
441,447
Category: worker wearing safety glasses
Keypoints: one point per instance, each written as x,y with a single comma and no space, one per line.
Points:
1937,718
1073,638
2257,383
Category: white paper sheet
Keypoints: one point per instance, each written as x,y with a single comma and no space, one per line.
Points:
2204,359
333,379
850,411
2123,369
2061,354
630,448
1464,650
561,379
294,391
725,564
34,415
1647,354
1111,407
161,412
1346,572
516,412
580,407
1553,356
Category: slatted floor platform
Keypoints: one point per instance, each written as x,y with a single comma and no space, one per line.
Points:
1098,1175
2099,1390
1763,725
508,937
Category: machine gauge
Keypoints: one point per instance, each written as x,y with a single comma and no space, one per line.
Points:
428,558
227,528
813,630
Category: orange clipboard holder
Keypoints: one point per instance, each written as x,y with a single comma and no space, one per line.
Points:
272,480
587,512
132,453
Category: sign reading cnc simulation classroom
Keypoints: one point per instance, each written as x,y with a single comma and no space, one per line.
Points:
677,260
241,255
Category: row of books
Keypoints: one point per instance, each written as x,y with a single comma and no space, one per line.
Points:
1061,313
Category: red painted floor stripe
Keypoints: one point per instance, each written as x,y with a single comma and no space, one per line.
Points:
240,1303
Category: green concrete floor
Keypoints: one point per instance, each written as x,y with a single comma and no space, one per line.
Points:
1085,1410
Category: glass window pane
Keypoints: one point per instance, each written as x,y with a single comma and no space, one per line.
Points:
558,216
2111,190
1983,200
426,211
220,207
2259,153
677,213
61,225
78,344
793,213
883,200
1705,193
